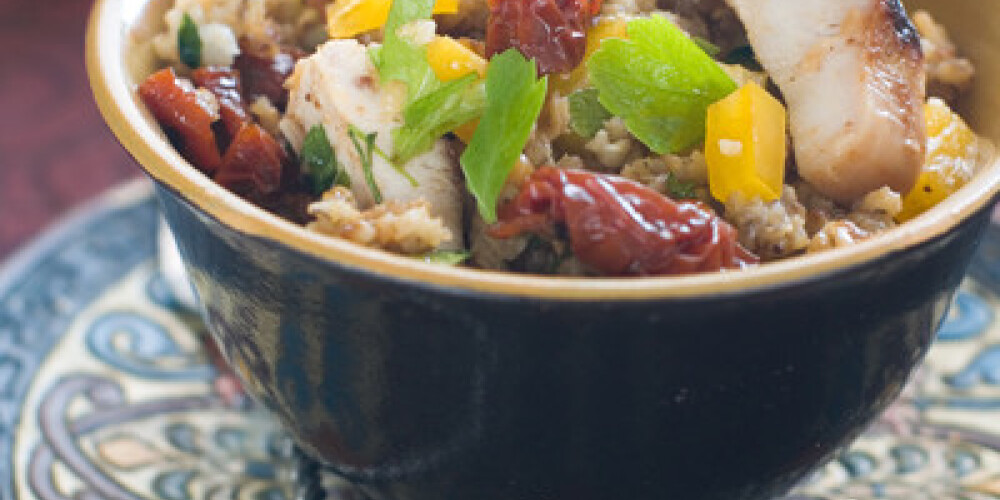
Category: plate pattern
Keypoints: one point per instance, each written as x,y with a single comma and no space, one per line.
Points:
108,391
941,439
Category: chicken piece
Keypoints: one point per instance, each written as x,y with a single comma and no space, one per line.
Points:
339,87
852,74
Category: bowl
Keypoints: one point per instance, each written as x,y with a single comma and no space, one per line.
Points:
423,382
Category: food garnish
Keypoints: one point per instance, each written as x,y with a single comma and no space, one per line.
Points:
586,113
437,113
401,60
710,48
189,42
446,257
319,162
364,144
514,97
679,189
660,82
603,29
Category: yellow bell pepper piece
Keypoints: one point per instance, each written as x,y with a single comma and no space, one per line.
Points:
952,153
465,132
745,145
451,60
350,18
615,27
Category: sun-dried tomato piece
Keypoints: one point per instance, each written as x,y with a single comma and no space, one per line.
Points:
225,84
622,228
186,118
552,32
264,66
252,165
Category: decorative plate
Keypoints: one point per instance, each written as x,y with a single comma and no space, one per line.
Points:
108,390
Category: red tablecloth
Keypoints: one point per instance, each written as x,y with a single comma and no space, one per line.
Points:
55,150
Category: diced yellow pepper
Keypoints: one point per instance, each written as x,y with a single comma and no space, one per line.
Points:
450,59
745,145
615,27
465,132
350,18
952,152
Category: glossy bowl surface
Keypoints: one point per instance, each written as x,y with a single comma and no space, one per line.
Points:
424,382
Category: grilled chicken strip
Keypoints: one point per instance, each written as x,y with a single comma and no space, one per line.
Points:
852,74
339,87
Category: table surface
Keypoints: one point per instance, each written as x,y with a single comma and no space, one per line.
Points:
55,150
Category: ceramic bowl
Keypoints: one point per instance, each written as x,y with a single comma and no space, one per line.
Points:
424,382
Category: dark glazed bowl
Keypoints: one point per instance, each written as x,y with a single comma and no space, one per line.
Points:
422,382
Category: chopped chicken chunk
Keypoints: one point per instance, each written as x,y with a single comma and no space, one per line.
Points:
339,87
852,74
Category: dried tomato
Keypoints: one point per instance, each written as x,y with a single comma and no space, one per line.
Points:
253,164
622,228
552,32
225,84
186,118
264,66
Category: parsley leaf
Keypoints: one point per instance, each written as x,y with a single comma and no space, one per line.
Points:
586,114
710,48
447,257
681,190
437,113
319,162
365,146
400,60
514,97
189,42
660,82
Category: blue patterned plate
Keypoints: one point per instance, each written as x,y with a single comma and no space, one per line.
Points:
107,390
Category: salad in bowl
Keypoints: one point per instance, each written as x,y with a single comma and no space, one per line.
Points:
571,137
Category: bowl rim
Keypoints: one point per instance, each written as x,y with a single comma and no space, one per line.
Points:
115,94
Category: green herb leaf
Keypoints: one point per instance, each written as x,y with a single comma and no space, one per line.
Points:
396,165
586,114
437,113
447,257
514,97
680,190
400,60
319,162
744,56
660,82
365,146
189,42
710,48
